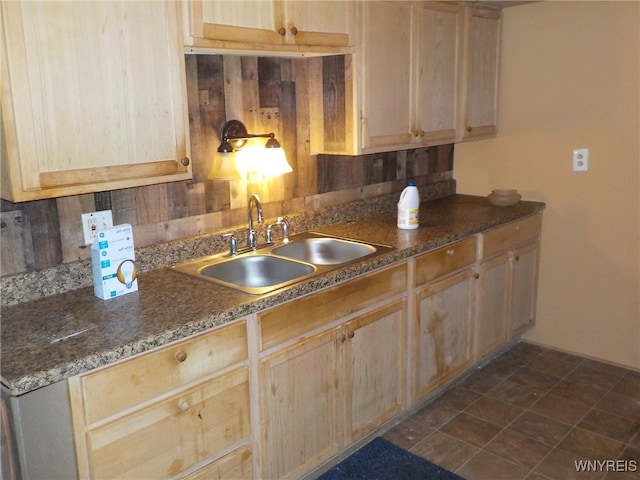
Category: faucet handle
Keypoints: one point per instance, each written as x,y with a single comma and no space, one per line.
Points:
284,223
233,243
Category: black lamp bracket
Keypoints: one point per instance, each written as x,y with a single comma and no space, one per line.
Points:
235,132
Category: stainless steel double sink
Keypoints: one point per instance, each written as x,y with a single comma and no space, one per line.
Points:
275,266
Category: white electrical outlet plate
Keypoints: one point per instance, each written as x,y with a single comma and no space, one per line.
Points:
581,160
93,222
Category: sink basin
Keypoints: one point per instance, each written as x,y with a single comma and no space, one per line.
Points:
324,251
274,266
256,274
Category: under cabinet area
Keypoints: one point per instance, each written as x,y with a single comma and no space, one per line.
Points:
339,383
171,412
89,101
507,283
282,26
443,325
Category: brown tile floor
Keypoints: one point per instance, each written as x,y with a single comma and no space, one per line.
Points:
531,414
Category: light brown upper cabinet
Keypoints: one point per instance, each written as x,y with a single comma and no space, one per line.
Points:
305,27
428,74
410,72
93,97
481,75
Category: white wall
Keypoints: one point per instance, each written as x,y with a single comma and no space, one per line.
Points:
570,78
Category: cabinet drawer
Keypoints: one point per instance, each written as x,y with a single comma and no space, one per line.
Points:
161,440
118,387
445,260
295,318
236,465
506,237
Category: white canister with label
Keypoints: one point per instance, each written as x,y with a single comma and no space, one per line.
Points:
408,207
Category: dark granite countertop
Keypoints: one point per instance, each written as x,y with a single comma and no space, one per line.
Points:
50,339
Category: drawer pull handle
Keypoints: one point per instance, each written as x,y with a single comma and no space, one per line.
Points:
181,356
350,333
184,406
451,252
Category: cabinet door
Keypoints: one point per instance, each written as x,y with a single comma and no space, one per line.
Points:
236,465
89,101
438,74
167,437
299,406
482,73
524,280
374,368
492,304
387,89
443,331
259,23
318,22
251,21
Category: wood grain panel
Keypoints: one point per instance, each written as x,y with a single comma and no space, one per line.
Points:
443,331
165,438
115,388
15,237
445,260
45,232
237,465
295,318
503,238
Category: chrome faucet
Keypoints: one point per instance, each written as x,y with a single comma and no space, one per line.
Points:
252,239
285,230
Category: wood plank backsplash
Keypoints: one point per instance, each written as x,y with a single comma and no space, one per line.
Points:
266,94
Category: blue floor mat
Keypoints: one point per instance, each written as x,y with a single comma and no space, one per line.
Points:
382,460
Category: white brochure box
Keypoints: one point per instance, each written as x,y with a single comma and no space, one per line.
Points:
113,262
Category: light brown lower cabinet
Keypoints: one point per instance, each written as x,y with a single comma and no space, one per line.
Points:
443,333
190,420
310,377
325,392
507,284
237,465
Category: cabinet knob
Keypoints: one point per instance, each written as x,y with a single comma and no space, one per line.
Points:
476,276
293,30
517,258
282,32
342,338
451,252
184,406
421,133
185,161
350,333
469,129
181,356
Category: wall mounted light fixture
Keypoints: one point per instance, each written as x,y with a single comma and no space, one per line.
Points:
235,159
